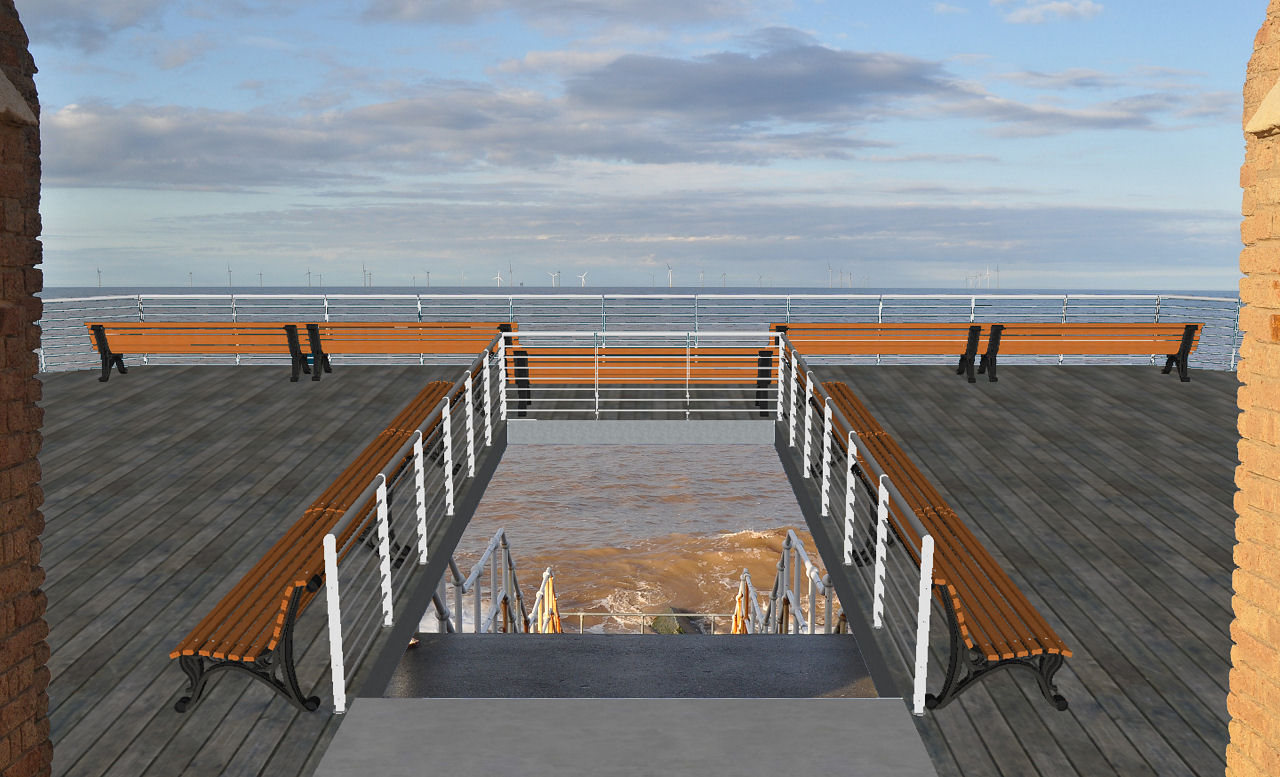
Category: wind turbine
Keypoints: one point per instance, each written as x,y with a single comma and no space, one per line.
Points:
668,275
229,276
498,277
308,277
583,277
700,275
428,279
723,275
259,279
99,277
828,275
760,279
555,278
190,278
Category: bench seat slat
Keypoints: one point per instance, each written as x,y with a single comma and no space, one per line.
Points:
868,339
399,337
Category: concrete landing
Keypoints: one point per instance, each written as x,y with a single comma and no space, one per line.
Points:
632,665
632,737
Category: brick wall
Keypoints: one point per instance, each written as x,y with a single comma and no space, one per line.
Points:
24,677
1254,700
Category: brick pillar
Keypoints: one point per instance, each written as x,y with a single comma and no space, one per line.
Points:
24,677
1254,699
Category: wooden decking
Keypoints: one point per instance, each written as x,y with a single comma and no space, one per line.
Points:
1106,492
162,487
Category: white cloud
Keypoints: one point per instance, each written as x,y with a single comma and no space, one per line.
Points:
946,8
1039,11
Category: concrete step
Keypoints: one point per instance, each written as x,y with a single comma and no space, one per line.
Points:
632,666
626,737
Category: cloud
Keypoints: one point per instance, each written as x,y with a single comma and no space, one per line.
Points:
802,82
945,8
86,25
1072,78
1039,11
176,53
659,12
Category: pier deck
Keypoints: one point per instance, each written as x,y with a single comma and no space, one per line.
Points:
1105,491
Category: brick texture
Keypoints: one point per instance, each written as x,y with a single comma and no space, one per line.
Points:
25,749
1254,698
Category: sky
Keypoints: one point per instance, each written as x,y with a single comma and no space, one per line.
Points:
1079,144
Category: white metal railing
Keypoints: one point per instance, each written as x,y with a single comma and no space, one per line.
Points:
641,618
689,375
889,552
66,345
546,611
368,569
494,596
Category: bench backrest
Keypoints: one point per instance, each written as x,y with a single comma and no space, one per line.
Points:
400,337
249,620
1100,339
640,366
213,337
874,338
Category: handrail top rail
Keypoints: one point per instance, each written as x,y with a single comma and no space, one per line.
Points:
463,295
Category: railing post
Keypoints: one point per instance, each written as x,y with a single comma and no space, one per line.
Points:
142,316
687,366
1065,298
337,669
502,377
826,458
880,319
1235,336
325,300
849,501
782,378
420,495
1157,320
791,392
882,544
447,439
234,314
808,419
973,308
40,356
595,371
922,624
384,549
471,424
488,412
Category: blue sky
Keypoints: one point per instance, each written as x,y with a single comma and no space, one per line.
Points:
1087,144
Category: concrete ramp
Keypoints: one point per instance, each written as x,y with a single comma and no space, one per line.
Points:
632,737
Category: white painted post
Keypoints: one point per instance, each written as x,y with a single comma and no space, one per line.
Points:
808,420
795,380
447,439
420,495
337,670
782,379
502,378
384,549
488,420
922,623
595,367
471,425
882,544
826,458
849,501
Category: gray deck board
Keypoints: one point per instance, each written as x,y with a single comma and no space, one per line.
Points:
143,557
1105,492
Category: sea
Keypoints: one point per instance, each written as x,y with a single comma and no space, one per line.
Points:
631,528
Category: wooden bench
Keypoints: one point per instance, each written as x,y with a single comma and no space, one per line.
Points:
905,339
113,340
621,366
991,623
1175,340
399,338
251,629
